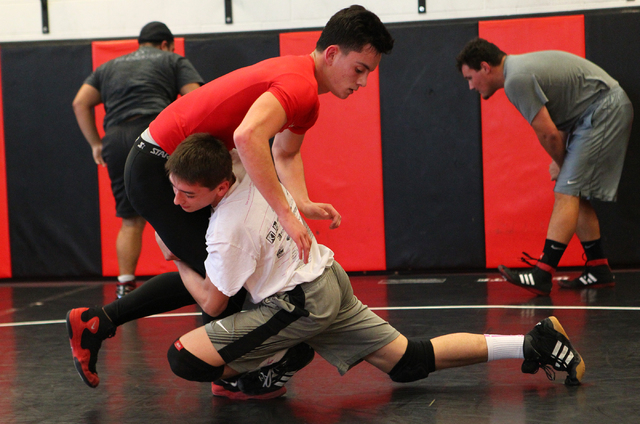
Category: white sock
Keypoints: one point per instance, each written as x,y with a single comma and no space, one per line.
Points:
126,278
504,347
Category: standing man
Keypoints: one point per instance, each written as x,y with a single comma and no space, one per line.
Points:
276,98
582,118
305,306
133,88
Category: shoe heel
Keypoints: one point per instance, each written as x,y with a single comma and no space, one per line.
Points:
580,368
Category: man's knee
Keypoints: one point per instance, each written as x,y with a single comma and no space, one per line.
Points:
416,363
185,365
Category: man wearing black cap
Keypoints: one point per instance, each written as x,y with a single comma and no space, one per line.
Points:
133,88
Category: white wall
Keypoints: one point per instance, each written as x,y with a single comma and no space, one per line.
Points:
21,20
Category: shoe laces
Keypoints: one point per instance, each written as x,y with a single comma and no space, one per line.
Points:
266,378
548,370
527,257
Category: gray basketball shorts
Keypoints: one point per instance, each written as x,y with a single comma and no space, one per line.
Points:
324,313
596,149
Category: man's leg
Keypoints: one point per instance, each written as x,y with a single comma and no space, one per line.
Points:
564,218
562,226
597,272
128,248
588,226
88,327
117,144
449,351
547,346
193,357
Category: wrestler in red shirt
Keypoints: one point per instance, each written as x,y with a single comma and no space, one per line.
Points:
276,98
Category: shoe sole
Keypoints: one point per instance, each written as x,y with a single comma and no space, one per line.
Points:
506,276
580,368
586,286
76,346
220,391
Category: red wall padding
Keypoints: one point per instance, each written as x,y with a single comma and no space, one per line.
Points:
518,193
151,261
342,157
5,250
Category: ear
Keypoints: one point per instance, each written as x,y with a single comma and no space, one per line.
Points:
223,188
330,54
166,46
484,66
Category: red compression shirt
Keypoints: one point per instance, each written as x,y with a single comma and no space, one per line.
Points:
219,107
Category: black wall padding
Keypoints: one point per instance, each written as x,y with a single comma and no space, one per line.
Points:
51,177
217,55
432,153
612,43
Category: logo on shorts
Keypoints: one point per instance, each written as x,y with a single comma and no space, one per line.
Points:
572,181
271,237
159,152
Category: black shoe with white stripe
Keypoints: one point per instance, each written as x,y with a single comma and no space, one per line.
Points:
273,377
229,388
537,280
596,274
547,346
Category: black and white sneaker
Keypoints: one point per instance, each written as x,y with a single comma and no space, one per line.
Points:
273,377
229,388
547,346
123,289
537,280
596,274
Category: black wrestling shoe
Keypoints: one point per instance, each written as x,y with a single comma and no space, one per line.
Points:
537,280
273,377
596,274
87,328
229,388
547,346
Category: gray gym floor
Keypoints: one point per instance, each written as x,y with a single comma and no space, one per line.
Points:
39,384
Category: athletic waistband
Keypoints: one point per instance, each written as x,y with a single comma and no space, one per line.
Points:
150,148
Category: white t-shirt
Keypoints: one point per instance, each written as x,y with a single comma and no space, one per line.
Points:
248,247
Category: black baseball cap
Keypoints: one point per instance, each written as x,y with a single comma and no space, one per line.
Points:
155,32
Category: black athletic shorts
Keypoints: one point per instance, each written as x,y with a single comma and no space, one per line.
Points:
116,145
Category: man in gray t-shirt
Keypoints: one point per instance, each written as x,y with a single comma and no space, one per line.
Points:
582,118
134,89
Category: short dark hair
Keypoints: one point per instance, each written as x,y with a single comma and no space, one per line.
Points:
352,29
201,159
477,51
155,32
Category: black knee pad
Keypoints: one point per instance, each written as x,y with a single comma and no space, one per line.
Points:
416,363
184,364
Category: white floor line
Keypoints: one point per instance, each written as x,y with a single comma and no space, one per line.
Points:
385,308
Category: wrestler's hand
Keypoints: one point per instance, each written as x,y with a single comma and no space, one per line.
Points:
554,170
298,233
168,255
96,151
313,210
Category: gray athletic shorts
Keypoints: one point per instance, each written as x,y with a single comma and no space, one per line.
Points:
596,148
324,313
